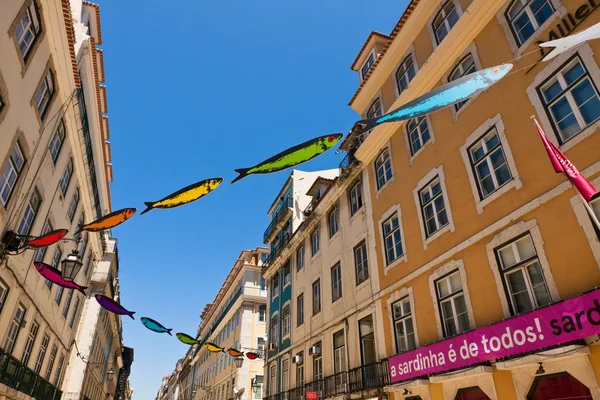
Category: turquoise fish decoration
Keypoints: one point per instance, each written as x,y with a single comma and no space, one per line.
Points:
155,326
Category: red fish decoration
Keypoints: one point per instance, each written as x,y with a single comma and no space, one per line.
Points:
47,239
252,356
54,276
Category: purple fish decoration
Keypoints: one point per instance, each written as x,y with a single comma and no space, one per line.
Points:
54,276
113,306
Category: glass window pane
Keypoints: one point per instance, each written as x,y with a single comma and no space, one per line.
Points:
525,248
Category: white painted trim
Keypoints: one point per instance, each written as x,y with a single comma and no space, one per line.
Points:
288,336
587,57
586,224
396,296
515,182
379,97
439,171
407,140
409,53
395,209
442,270
388,147
371,241
432,36
375,56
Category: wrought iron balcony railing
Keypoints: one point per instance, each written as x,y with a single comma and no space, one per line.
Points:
277,248
286,203
347,163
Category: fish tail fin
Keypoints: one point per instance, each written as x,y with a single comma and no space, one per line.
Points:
149,206
365,124
82,289
243,172
169,331
131,314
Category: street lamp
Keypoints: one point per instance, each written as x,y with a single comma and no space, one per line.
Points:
238,361
71,266
255,386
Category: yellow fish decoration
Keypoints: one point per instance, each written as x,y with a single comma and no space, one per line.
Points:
186,195
213,348
235,353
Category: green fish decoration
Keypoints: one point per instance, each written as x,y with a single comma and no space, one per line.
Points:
186,339
293,156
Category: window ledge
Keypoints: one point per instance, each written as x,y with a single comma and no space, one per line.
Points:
449,227
385,185
361,211
421,149
287,284
456,114
363,283
580,137
515,183
314,258
335,236
519,50
395,263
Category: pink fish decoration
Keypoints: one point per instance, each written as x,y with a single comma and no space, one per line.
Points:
54,276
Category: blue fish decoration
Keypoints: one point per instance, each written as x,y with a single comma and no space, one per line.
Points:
442,97
155,326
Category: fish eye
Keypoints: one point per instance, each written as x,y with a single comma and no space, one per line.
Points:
495,71
330,139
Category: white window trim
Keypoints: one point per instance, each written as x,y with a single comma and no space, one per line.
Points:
274,315
517,51
434,14
394,297
371,53
337,233
258,321
409,53
471,49
387,146
507,235
404,257
515,182
586,224
362,238
439,171
442,270
587,57
431,140
283,275
281,386
288,336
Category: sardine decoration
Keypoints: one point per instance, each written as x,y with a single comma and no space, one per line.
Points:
108,221
235,353
293,156
55,276
442,97
213,348
563,44
186,339
186,195
47,239
113,306
155,326
252,355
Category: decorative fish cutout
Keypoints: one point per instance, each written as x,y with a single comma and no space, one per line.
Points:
108,221
155,326
442,97
186,195
113,306
186,339
54,276
252,356
568,42
235,353
48,239
213,348
292,156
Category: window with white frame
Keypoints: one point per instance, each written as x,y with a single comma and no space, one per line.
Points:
260,344
433,207
274,329
57,141
41,354
489,163
31,211
356,201
50,365
570,98
275,285
287,273
300,309
66,178
367,65
44,94
73,205
392,239
405,73
10,173
403,325
523,276
300,258
314,241
4,289
317,365
258,382
452,304
445,19
316,297
526,16
336,282
383,168
300,371
374,111
361,262
40,252
464,67
262,313
28,29
418,134
285,375
286,321
273,379
31,336
14,328
339,358
74,314
59,367
333,219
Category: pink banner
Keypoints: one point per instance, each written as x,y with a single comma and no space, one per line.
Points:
566,321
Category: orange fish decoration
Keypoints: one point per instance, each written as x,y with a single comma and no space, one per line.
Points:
252,356
108,221
235,353
47,239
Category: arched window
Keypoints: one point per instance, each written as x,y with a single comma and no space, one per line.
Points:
558,386
464,67
472,393
405,73
375,110
445,19
526,16
383,168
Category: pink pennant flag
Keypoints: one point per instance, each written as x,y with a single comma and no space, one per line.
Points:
561,163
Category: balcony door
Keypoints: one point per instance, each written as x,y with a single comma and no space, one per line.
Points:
368,354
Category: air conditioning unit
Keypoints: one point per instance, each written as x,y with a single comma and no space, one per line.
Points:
297,359
314,350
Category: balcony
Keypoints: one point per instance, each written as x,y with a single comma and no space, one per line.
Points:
16,375
347,163
284,210
104,278
277,249
367,377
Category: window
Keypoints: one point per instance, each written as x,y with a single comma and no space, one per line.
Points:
260,344
375,110
300,371
86,266
14,328
274,329
300,309
361,263
452,305
262,283
275,285
59,369
4,289
33,331
418,134
368,354
446,18
74,314
66,178
273,380
333,219
317,365
466,66
258,381
287,273
300,258
405,73
433,207
571,100
316,298
392,239
28,29
523,276
262,313
339,358
10,173
285,375
41,251
44,94
383,168
356,201
526,17
73,205
67,303
31,210
403,326
314,241
57,141
41,354
59,294
336,282
286,322
489,164
367,65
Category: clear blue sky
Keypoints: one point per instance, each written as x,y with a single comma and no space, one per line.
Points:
195,90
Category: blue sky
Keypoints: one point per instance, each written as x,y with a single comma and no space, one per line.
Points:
195,90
